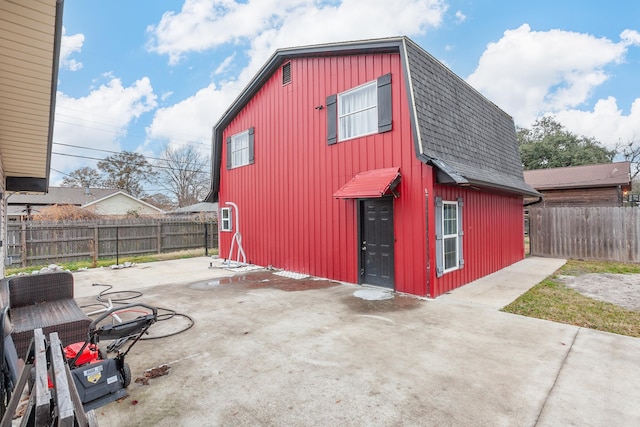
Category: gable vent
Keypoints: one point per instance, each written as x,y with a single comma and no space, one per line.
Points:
286,73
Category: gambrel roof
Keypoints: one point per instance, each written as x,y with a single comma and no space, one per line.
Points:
467,138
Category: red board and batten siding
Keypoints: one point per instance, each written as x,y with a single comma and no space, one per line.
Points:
493,235
288,215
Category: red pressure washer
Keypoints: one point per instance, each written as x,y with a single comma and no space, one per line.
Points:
99,379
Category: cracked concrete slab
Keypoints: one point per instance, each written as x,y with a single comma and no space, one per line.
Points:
271,350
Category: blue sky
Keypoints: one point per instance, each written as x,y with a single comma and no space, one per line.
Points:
144,75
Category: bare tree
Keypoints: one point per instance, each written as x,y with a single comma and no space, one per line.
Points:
85,177
183,173
631,153
161,201
127,171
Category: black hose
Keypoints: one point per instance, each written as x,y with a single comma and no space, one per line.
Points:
169,313
132,294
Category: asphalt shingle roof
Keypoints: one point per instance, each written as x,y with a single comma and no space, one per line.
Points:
62,195
459,127
468,139
587,176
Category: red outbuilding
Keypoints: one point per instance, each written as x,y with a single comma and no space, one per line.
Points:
368,162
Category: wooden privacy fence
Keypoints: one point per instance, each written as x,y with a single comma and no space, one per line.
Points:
590,233
46,242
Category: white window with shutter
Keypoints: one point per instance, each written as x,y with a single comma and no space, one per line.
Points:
449,234
358,112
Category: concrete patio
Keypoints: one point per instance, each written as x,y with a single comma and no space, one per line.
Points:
270,350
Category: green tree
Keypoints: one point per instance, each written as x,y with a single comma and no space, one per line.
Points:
85,177
549,145
127,171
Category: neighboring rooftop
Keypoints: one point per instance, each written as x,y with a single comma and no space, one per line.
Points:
587,176
197,208
61,196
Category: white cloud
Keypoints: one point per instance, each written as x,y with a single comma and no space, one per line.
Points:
225,64
206,24
460,17
606,123
192,119
257,28
68,46
98,120
630,38
529,73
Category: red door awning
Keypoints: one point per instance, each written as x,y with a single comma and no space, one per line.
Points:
370,184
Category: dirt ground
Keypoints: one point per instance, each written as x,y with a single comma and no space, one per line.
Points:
619,289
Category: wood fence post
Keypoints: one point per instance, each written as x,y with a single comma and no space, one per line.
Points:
23,242
96,243
159,228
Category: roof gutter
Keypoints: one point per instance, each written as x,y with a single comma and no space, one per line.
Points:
57,47
533,203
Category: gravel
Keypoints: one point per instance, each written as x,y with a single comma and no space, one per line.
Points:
619,289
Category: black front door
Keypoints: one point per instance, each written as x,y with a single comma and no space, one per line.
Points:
376,242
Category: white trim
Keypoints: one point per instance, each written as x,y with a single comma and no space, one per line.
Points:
234,139
449,237
374,85
226,221
414,110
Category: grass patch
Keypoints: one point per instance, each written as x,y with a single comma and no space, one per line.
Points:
576,268
551,300
106,262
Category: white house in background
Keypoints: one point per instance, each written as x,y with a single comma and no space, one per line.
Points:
122,204
101,201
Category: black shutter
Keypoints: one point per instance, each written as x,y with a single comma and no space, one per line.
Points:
439,238
332,119
251,156
460,233
384,103
228,152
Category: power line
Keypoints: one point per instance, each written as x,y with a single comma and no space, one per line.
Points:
108,151
187,139
105,151
97,159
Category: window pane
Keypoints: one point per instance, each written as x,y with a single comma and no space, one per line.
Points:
358,112
240,149
450,219
450,253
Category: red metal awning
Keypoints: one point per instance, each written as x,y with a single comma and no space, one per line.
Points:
370,184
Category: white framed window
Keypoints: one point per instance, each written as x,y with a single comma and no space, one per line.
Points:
225,220
449,234
240,149
358,111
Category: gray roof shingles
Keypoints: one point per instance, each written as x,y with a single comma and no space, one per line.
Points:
461,128
467,138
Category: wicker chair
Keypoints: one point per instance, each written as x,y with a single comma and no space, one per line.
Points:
43,301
